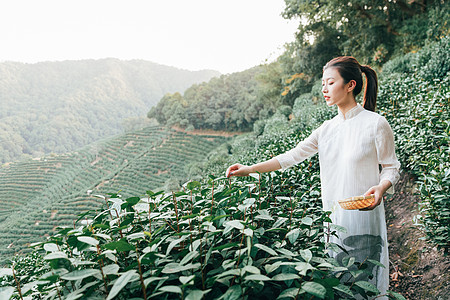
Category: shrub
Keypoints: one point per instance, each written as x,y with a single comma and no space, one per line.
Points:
418,111
219,240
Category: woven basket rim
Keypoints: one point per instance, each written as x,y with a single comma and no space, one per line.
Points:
357,198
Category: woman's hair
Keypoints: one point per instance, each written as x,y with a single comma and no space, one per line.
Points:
350,69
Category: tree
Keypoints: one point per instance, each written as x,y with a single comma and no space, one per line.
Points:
370,30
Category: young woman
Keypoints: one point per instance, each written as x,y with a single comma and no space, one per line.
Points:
351,148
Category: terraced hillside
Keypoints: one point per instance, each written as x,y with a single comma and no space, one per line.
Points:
38,195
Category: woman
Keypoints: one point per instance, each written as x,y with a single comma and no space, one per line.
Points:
351,148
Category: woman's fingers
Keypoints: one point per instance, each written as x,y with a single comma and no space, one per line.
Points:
373,191
236,170
231,170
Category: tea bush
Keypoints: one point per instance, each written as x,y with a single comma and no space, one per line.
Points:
220,239
417,107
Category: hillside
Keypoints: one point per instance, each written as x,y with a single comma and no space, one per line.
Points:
38,195
56,107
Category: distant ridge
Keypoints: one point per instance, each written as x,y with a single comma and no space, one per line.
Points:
38,195
56,107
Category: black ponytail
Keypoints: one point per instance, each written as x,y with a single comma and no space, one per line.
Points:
350,69
371,91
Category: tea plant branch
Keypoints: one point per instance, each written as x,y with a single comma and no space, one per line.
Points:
107,206
140,274
239,257
212,197
170,225
149,216
101,269
176,211
201,255
17,282
118,220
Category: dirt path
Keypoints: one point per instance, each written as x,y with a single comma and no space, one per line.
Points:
418,270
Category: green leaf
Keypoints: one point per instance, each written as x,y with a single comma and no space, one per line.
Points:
307,221
175,267
171,289
174,243
186,279
348,261
196,294
80,274
303,267
267,249
151,279
315,289
396,295
133,200
233,293
119,246
278,222
189,216
344,289
190,256
137,235
290,293
56,255
367,286
193,184
88,240
286,252
270,268
228,245
285,277
110,269
235,224
376,262
248,232
120,283
293,235
306,254
338,228
257,277
251,269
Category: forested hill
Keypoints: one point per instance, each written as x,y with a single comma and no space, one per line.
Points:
55,107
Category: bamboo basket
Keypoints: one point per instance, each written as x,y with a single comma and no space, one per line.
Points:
358,202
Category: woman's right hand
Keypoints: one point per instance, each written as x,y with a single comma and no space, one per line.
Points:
238,170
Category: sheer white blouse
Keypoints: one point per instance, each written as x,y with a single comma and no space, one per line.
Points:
351,148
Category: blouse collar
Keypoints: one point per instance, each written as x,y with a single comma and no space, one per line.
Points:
351,113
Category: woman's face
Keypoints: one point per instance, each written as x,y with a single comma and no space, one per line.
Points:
334,90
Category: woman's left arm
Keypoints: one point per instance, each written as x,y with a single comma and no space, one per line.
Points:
389,175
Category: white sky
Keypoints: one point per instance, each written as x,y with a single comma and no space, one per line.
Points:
223,35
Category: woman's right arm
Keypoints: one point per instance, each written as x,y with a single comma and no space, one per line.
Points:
262,167
303,150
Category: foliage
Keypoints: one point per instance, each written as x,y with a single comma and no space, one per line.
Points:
218,240
57,107
417,107
36,196
372,31
231,102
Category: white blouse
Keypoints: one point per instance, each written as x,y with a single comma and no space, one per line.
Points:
351,148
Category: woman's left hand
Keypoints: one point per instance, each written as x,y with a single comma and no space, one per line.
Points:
378,191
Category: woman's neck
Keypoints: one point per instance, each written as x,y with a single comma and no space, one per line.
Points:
345,107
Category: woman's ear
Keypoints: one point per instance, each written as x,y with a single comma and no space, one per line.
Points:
351,85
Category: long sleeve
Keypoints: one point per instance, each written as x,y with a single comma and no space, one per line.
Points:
386,153
303,150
